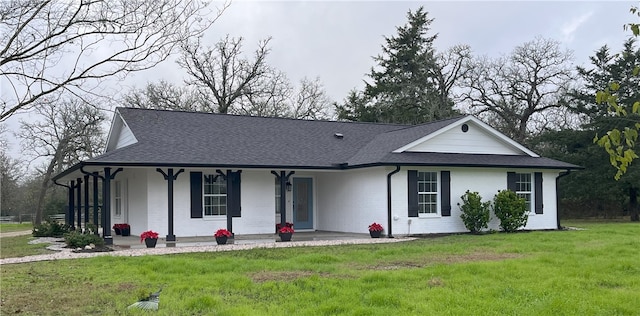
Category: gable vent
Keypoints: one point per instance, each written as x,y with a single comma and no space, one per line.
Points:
338,135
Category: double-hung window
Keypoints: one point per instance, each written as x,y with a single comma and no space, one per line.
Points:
529,187
215,195
427,192
524,188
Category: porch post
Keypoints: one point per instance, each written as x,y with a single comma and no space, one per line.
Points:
95,201
106,202
283,199
69,217
86,200
170,177
283,177
79,201
103,214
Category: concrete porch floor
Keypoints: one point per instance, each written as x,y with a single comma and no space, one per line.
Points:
132,242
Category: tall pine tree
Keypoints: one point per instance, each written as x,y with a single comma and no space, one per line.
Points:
405,86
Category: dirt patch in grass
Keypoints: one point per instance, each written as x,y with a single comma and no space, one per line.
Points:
446,259
265,276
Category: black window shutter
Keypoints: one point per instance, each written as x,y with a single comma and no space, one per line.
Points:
538,192
445,192
412,176
196,194
511,181
233,201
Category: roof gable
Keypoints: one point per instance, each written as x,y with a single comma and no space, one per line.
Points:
467,135
120,135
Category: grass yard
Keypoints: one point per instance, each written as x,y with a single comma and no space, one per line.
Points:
18,246
14,227
584,272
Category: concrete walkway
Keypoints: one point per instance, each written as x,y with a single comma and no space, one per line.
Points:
14,234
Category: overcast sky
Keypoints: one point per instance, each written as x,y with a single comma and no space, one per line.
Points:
335,40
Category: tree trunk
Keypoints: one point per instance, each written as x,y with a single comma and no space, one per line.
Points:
633,204
45,182
43,192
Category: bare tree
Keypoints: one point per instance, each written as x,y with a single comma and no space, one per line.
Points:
164,96
50,46
452,68
229,82
269,96
311,102
10,173
70,132
516,92
223,73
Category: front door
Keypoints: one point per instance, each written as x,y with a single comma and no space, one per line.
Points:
302,203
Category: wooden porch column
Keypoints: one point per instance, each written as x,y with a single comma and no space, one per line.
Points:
79,201
170,177
69,218
95,201
283,177
86,200
106,201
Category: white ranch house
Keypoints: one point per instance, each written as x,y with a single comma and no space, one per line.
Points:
188,174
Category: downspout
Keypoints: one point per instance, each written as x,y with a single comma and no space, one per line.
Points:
389,215
562,174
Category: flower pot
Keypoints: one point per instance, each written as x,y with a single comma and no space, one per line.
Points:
285,236
150,242
222,240
375,233
125,232
118,231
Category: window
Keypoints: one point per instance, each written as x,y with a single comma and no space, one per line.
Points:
523,187
427,192
277,196
118,199
215,195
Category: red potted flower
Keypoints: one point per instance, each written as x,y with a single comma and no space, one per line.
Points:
375,230
122,229
285,233
150,238
286,224
222,235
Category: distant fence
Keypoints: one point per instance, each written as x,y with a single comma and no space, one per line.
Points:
57,217
16,218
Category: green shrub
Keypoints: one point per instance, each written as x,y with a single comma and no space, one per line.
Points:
511,210
50,229
76,239
475,213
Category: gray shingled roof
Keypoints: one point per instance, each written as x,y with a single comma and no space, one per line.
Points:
169,137
174,138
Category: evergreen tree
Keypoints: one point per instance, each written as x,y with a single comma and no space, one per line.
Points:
594,189
405,82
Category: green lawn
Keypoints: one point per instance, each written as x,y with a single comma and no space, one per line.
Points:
18,246
13,227
584,272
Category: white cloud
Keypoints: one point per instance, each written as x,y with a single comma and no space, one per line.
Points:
569,29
